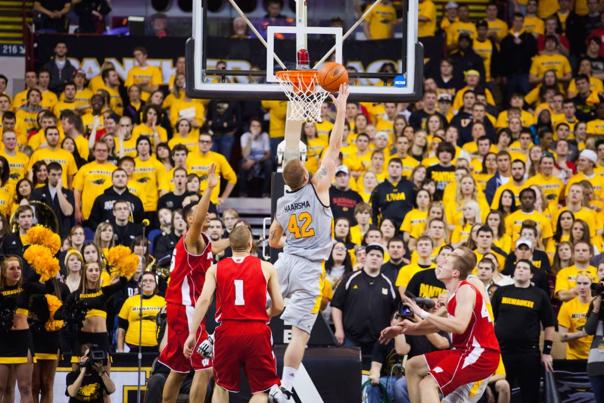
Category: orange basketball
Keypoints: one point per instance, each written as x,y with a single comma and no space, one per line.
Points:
331,75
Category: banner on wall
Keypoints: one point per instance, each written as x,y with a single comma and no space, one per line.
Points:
89,52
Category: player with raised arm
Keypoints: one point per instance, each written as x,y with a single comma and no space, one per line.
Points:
475,354
304,216
243,337
191,259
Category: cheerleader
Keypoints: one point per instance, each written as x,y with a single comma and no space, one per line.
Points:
91,299
16,352
46,338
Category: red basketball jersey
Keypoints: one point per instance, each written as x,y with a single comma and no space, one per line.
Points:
187,273
480,331
240,290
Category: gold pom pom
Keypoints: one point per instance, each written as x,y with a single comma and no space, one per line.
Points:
40,235
122,261
54,304
42,260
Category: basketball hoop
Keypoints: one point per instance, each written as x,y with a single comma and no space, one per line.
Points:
304,93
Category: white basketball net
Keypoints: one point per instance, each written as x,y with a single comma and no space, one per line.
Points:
305,98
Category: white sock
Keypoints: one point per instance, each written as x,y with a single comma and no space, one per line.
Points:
287,380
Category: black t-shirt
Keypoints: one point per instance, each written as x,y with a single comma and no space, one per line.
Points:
519,315
541,265
442,175
343,203
367,304
172,201
424,284
390,270
91,390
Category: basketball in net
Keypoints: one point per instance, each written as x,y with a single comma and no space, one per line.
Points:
332,75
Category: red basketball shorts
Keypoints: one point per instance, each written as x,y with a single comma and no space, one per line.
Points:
178,318
453,368
246,345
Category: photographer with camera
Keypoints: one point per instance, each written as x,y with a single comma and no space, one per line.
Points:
595,327
90,382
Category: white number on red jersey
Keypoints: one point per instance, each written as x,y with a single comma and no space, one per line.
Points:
239,300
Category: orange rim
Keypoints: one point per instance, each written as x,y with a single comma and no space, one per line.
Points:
302,80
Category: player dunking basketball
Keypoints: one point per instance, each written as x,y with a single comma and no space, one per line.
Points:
303,215
475,354
191,259
243,338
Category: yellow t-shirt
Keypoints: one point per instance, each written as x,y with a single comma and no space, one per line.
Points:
550,187
595,85
115,100
458,100
145,130
314,151
7,195
82,99
596,181
17,164
63,106
137,75
427,10
129,146
26,120
526,118
499,27
406,273
131,312
191,141
88,120
459,27
596,127
92,180
485,50
199,164
573,316
567,277
414,223
509,186
19,100
381,21
542,63
533,24
153,178
323,129
49,100
585,214
187,109
513,224
277,111
96,83
62,157
547,8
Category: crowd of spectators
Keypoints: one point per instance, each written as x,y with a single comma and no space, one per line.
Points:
503,154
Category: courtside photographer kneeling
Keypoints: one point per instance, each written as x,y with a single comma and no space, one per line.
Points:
90,382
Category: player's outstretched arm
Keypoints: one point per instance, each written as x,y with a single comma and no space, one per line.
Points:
274,291
465,297
193,240
201,308
324,176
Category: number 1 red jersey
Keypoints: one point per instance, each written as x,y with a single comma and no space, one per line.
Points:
240,290
187,273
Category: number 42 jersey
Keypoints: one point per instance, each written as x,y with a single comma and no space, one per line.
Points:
307,223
